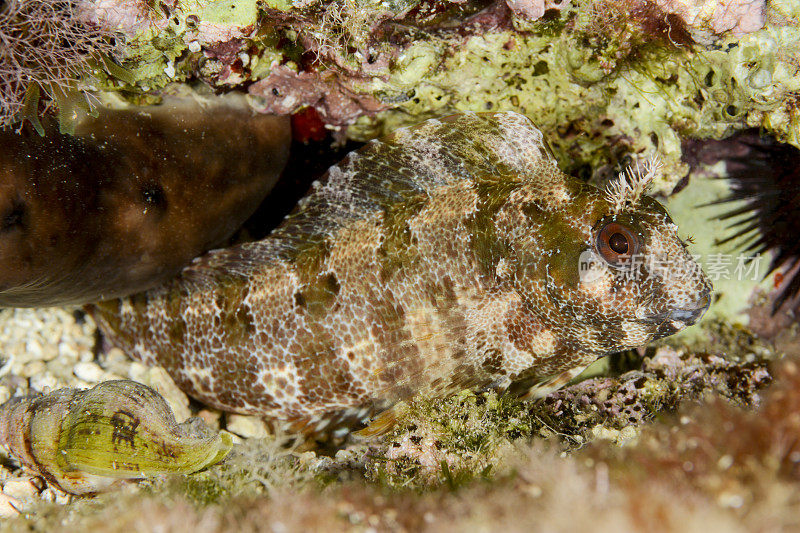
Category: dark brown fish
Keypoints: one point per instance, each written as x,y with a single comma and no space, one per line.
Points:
130,199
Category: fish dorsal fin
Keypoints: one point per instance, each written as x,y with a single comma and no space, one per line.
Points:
415,161
408,163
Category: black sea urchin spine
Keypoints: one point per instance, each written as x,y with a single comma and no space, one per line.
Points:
765,175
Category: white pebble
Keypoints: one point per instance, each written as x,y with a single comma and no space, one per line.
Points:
34,368
138,372
9,507
44,382
49,352
33,349
88,372
21,488
160,380
248,427
6,363
67,350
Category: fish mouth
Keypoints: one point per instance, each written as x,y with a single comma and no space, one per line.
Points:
693,313
681,317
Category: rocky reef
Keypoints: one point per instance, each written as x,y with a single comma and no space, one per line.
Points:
699,438
606,80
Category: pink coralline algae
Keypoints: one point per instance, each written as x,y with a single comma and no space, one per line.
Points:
132,17
285,91
534,9
707,18
126,16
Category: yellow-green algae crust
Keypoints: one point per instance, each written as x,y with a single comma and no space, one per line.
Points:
471,436
168,50
600,88
648,101
590,76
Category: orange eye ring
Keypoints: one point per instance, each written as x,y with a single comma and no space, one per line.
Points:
616,243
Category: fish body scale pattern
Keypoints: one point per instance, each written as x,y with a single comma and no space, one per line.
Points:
443,257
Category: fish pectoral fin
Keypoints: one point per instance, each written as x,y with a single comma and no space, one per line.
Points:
383,422
552,383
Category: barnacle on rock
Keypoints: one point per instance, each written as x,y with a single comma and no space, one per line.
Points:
83,441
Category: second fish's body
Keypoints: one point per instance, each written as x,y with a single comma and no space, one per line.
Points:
446,256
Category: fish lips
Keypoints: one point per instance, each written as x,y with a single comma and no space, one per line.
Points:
675,320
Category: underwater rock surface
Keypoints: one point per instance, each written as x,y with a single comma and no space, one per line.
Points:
606,80
131,198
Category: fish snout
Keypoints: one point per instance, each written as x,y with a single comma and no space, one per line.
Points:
692,312
678,318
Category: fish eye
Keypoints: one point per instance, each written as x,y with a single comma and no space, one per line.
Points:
619,243
616,243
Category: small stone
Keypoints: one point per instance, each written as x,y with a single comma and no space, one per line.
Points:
211,417
33,349
248,427
52,494
44,382
138,372
116,362
604,433
344,455
6,363
21,488
50,352
627,435
308,458
160,380
33,368
67,350
88,372
9,506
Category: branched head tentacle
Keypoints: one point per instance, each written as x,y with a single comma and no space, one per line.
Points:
632,184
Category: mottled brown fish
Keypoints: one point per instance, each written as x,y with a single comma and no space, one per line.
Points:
130,199
445,256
